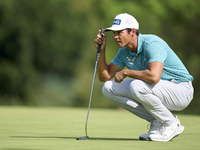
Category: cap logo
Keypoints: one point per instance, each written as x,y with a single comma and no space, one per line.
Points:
117,22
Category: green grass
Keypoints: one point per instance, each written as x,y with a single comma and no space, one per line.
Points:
29,128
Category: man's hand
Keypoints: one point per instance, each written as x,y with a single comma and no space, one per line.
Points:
100,40
119,76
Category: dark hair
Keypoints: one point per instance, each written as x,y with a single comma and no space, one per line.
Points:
129,30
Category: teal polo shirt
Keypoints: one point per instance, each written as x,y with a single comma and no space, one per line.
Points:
151,48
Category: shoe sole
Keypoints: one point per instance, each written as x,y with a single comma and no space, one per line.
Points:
166,140
180,131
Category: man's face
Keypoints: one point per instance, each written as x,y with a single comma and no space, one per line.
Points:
122,38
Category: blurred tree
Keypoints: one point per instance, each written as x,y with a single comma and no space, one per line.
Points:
38,38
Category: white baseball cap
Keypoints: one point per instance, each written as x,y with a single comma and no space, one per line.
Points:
123,21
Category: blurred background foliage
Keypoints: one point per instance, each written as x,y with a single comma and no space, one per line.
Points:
47,54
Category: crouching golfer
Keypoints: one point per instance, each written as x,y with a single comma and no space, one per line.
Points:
158,81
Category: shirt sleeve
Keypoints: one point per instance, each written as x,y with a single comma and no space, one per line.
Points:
118,61
156,52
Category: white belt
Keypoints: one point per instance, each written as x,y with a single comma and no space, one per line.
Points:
186,83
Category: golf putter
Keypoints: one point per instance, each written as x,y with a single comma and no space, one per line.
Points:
97,59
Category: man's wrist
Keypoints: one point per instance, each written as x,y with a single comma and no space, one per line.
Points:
126,72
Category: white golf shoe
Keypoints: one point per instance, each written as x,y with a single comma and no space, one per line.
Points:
155,125
167,133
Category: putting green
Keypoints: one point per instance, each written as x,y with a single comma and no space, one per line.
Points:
36,128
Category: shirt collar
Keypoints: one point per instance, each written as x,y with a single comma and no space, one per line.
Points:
139,44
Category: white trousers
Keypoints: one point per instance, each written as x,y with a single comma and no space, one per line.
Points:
148,101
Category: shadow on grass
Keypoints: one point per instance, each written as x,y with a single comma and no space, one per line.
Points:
113,139
91,138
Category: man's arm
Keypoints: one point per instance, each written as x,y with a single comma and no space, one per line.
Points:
151,75
105,71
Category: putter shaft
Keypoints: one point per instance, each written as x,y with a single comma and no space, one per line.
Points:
95,69
91,96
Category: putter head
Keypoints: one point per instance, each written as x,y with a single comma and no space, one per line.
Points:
82,138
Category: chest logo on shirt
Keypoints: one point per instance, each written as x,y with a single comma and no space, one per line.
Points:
130,61
134,63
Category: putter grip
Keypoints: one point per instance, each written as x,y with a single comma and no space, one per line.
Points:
99,45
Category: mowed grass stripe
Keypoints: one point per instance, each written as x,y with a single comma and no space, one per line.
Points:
109,129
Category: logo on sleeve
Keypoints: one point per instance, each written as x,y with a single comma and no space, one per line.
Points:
116,22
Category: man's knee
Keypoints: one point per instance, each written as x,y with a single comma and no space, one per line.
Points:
107,88
139,88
